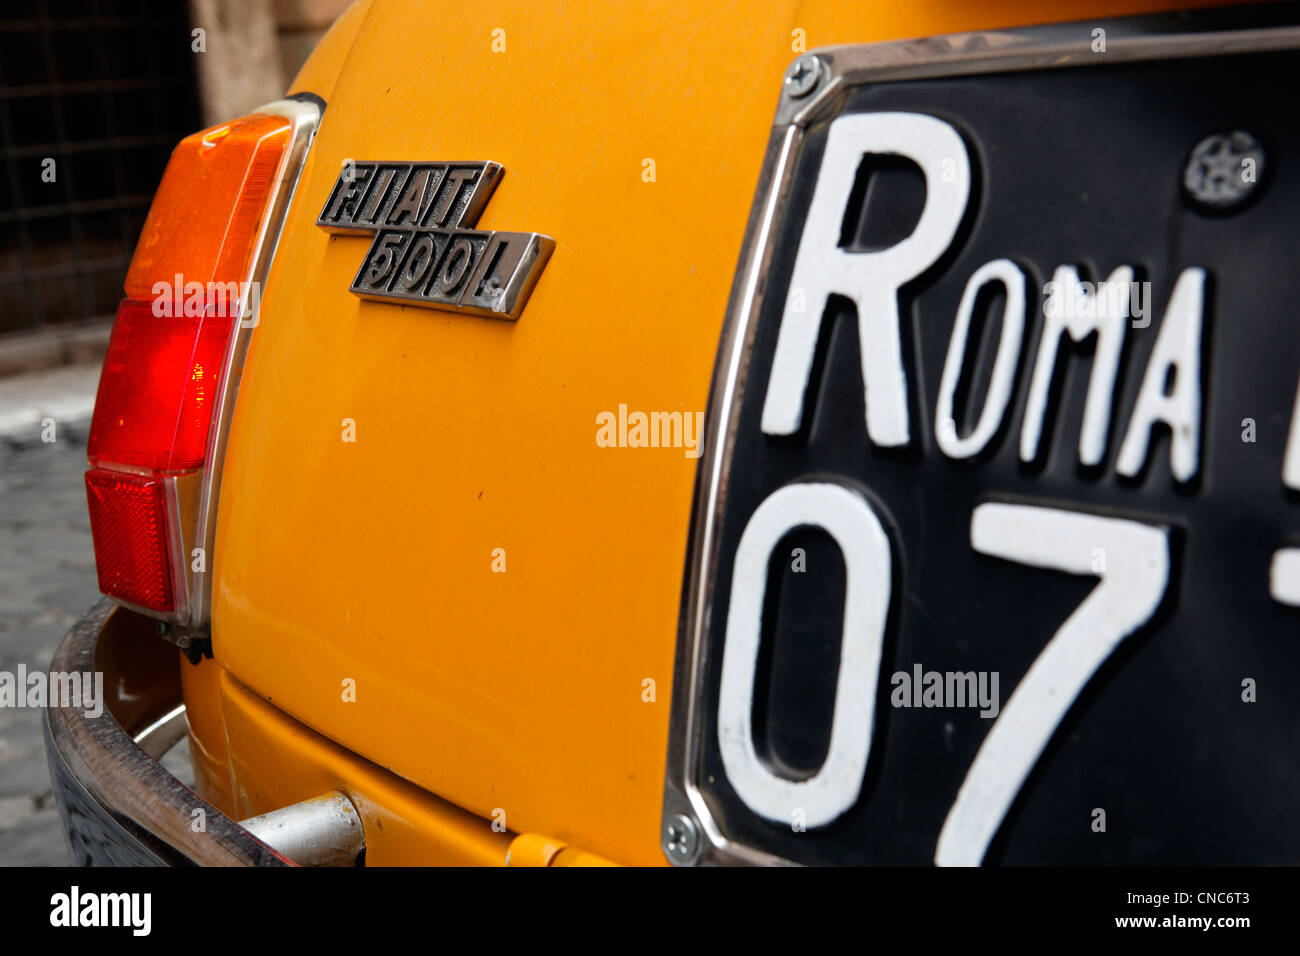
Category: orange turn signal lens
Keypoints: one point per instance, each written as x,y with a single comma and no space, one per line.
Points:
208,211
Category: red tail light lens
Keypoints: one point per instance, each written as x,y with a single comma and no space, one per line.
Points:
163,376
132,555
160,378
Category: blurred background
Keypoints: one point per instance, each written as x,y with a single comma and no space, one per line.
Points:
93,96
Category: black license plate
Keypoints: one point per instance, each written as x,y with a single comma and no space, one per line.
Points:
1003,567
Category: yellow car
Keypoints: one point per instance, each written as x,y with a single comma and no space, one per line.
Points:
807,432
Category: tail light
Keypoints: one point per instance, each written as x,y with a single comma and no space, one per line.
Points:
167,387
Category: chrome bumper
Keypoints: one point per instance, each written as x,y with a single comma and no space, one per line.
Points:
119,806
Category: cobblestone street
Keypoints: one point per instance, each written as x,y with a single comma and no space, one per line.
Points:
47,579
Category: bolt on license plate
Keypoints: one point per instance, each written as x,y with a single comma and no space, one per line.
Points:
996,554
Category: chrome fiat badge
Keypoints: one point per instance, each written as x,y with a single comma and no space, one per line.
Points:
425,250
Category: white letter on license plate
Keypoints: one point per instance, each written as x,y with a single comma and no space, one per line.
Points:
870,279
1177,351
1004,366
1071,310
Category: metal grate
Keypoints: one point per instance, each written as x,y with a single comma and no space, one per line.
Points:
105,88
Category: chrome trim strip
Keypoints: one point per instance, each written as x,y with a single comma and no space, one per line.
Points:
199,530
180,497
1148,37
119,805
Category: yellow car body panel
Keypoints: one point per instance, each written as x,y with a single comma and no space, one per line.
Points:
355,581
